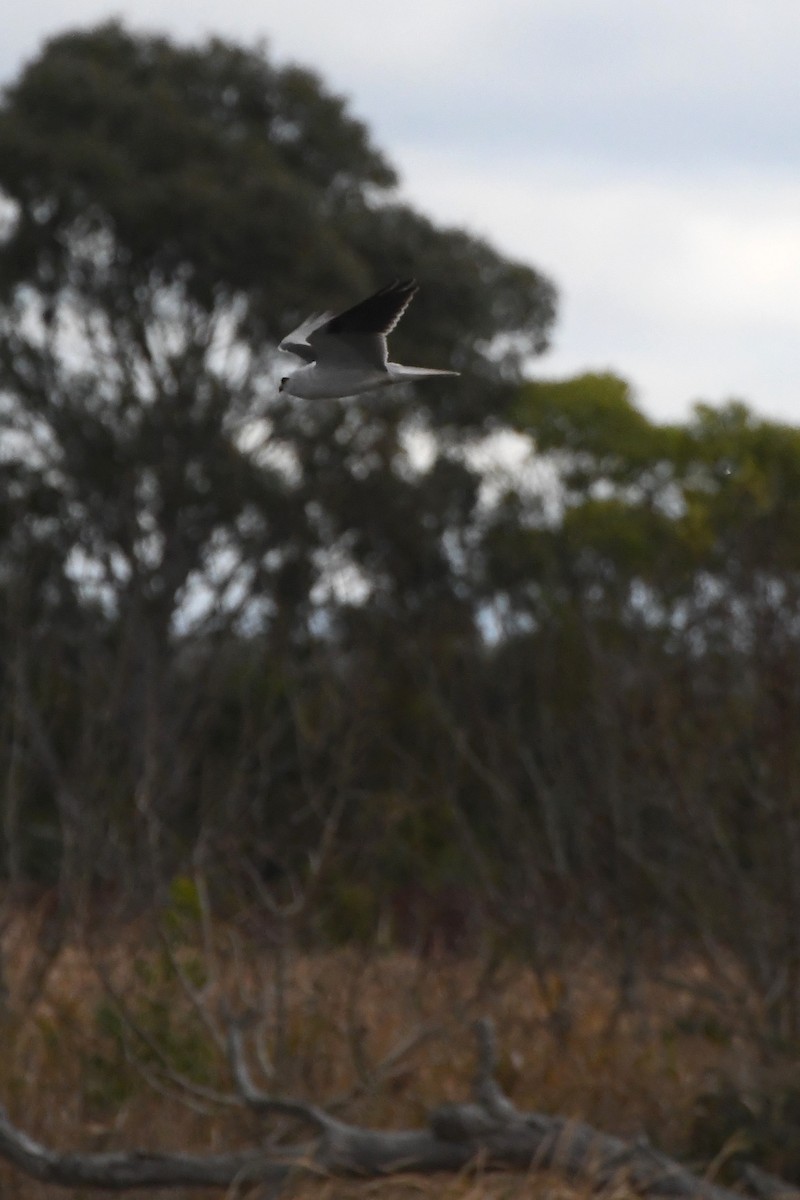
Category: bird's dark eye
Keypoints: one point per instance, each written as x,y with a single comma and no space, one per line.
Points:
283,381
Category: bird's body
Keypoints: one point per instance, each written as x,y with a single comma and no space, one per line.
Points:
347,354
320,383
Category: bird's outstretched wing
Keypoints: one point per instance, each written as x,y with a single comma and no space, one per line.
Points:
296,342
357,337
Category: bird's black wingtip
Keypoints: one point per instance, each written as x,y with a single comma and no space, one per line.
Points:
401,285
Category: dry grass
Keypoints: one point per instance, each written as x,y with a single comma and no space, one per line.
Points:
72,1074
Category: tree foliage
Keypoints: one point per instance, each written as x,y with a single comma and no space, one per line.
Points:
170,212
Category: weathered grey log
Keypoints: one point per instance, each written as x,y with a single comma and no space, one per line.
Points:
489,1132
121,1170
458,1138
765,1186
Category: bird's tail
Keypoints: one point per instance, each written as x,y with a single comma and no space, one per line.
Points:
401,372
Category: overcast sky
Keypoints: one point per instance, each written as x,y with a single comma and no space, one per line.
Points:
644,153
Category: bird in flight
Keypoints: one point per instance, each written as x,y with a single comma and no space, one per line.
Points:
347,354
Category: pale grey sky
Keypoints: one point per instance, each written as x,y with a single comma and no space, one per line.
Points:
644,153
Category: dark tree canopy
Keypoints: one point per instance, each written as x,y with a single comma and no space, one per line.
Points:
169,212
201,165
173,210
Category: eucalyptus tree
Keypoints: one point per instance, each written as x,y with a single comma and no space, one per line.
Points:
168,212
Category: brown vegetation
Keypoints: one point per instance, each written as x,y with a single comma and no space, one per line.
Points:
114,1052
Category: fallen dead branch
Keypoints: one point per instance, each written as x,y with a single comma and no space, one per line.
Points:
489,1132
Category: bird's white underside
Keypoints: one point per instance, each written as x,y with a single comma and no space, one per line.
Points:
332,383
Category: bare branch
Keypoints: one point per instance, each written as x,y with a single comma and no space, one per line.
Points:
196,996
488,1092
262,1102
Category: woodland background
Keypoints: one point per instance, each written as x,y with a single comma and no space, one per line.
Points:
490,688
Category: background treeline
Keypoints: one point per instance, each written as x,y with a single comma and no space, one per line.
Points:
495,659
